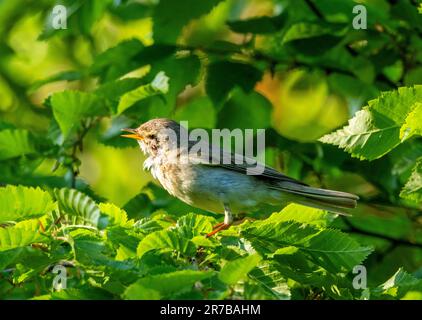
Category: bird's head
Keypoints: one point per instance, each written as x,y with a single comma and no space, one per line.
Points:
156,135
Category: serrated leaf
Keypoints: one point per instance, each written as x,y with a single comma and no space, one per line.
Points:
271,281
399,284
235,270
170,17
168,240
117,216
162,285
71,107
78,207
375,130
192,225
125,239
20,235
90,250
302,214
223,76
331,249
15,143
19,203
158,86
413,123
413,187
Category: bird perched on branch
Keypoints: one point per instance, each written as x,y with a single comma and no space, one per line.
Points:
218,181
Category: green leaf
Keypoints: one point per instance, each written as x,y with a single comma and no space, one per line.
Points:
15,143
305,30
181,72
375,130
399,284
91,250
61,76
80,208
117,216
127,56
20,235
125,239
271,281
252,110
122,51
168,240
170,17
235,270
413,123
71,107
330,249
192,225
112,136
113,90
163,285
413,188
302,214
200,113
158,86
258,25
19,203
223,76
132,10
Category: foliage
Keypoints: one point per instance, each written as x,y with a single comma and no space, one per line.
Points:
295,68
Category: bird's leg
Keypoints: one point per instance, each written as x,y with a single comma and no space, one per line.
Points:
228,220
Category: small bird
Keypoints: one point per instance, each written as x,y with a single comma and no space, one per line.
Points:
223,186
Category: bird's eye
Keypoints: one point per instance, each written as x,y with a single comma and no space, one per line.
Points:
152,136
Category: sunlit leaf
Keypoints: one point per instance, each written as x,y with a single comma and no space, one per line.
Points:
235,270
413,123
158,86
331,249
76,207
19,203
413,188
375,130
20,235
192,225
116,215
168,240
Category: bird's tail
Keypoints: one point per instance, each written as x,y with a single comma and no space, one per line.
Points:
330,200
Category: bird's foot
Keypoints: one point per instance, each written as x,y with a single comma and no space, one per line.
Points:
217,228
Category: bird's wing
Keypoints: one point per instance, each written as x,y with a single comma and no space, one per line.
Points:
237,162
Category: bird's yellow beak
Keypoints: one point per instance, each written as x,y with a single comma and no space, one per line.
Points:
133,135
